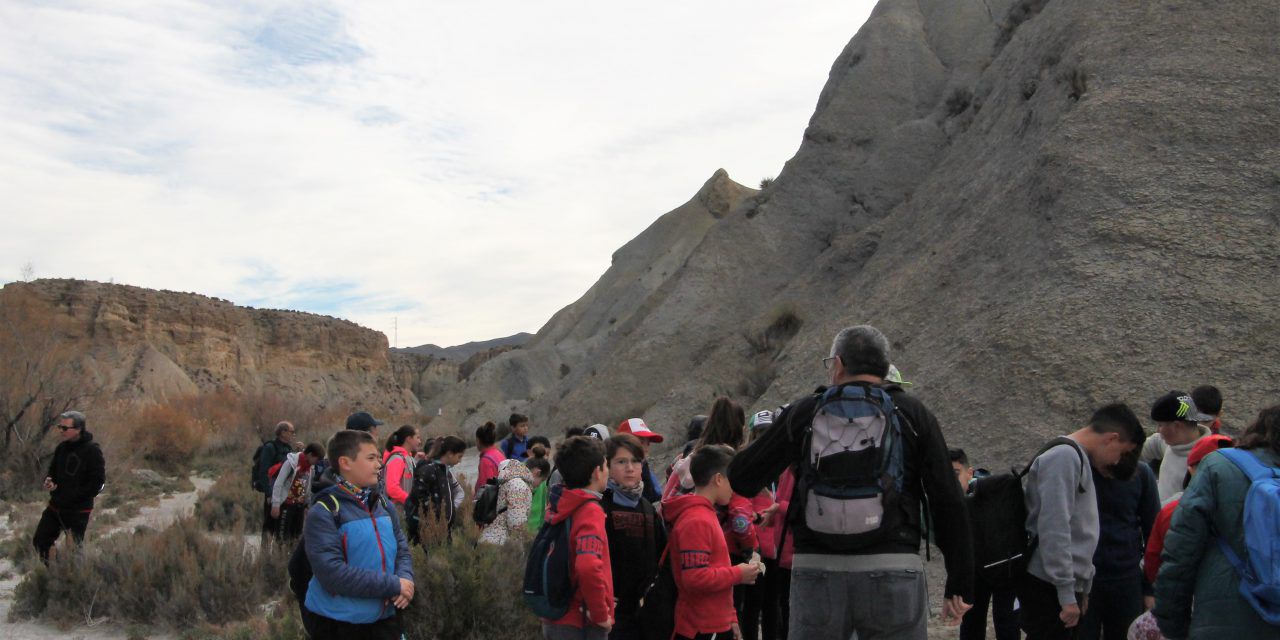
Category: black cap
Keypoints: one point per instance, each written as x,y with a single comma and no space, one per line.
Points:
362,421
1177,406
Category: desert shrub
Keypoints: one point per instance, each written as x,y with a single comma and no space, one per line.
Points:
783,325
230,503
756,380
466,590
765,182
168,435
181,575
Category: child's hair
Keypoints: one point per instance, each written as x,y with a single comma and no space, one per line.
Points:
517,418
540,465
400,435
486,434
958,455
708,461
542,440
537,451
624,441
1208,399
575,431
725,425
346,444
445,445
314,449
577,458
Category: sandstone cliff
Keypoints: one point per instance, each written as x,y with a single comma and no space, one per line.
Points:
135,343
1046,205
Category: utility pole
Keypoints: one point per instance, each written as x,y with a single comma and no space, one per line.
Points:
395,329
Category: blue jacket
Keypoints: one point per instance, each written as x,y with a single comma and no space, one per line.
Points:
357,555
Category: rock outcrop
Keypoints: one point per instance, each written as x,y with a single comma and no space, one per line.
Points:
134,343
1046,205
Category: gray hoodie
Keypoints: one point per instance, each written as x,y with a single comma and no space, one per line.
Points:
1062,513
1172,460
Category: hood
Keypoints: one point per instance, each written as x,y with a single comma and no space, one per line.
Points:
1183,450
675,508
512,469
570,501
85,438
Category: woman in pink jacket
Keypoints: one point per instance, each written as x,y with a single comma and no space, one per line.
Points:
397,463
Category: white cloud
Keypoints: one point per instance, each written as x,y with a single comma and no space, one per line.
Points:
468,168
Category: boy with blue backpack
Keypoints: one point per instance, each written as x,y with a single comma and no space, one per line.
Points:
589,615
361,564
1220,570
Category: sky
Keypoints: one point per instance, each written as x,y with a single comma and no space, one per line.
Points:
438,171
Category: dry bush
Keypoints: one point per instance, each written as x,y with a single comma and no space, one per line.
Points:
230,503
178,576
466,590
168,436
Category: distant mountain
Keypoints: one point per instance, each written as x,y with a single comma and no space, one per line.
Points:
464,351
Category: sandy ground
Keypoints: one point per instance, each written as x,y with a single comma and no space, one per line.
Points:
170,507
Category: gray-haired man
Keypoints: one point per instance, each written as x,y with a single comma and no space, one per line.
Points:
76,476
857,565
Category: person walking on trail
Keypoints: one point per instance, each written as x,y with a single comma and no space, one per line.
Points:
1178,420
269,455
76,476
436,492
1062,521
839,560
1128,503
1199,590
291,492
397,464
516,445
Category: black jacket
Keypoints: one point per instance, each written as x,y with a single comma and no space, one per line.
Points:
927,474
636,540
79,471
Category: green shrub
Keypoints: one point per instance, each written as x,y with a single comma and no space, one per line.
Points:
230,503
181,575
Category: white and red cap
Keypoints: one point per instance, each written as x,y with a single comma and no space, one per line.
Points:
637,428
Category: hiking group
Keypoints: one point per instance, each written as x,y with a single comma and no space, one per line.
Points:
801,522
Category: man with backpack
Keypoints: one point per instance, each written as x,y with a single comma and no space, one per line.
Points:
1062,520
270,454
866,459
1220,571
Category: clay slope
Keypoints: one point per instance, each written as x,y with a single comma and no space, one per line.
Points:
1046,205
132,343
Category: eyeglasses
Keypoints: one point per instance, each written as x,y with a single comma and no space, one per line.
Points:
64,428
826,362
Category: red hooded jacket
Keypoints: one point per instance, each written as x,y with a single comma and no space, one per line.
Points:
592,577
700,564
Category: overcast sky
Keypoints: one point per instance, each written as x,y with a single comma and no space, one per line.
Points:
465,167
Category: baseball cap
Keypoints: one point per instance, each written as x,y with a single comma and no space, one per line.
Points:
895,377
1177,406
362,421
637,428
1207,445
597,431
761,420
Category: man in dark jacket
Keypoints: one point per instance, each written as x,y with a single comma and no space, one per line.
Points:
1128,502
76,476
271,454
827,582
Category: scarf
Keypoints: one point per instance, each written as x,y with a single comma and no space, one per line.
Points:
627,496
362,494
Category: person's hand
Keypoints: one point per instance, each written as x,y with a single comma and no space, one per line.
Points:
275,512
1148,602
737,631
406,594
1070,615
767,515
49,485
607,625
298,446
749,573
953,610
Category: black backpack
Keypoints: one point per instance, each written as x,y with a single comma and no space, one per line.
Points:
262,461
998,515
486,505
548,585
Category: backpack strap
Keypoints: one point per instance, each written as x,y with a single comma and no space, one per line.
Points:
1250,465
1058,442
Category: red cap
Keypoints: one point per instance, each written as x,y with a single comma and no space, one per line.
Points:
637,428
1207,445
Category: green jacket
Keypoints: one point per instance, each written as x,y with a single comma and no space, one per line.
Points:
538,508
1197,590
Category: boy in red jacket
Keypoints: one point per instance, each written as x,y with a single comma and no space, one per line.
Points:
700,558
581,462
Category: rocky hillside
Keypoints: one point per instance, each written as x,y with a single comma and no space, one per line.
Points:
135,343
463,351
1046,205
